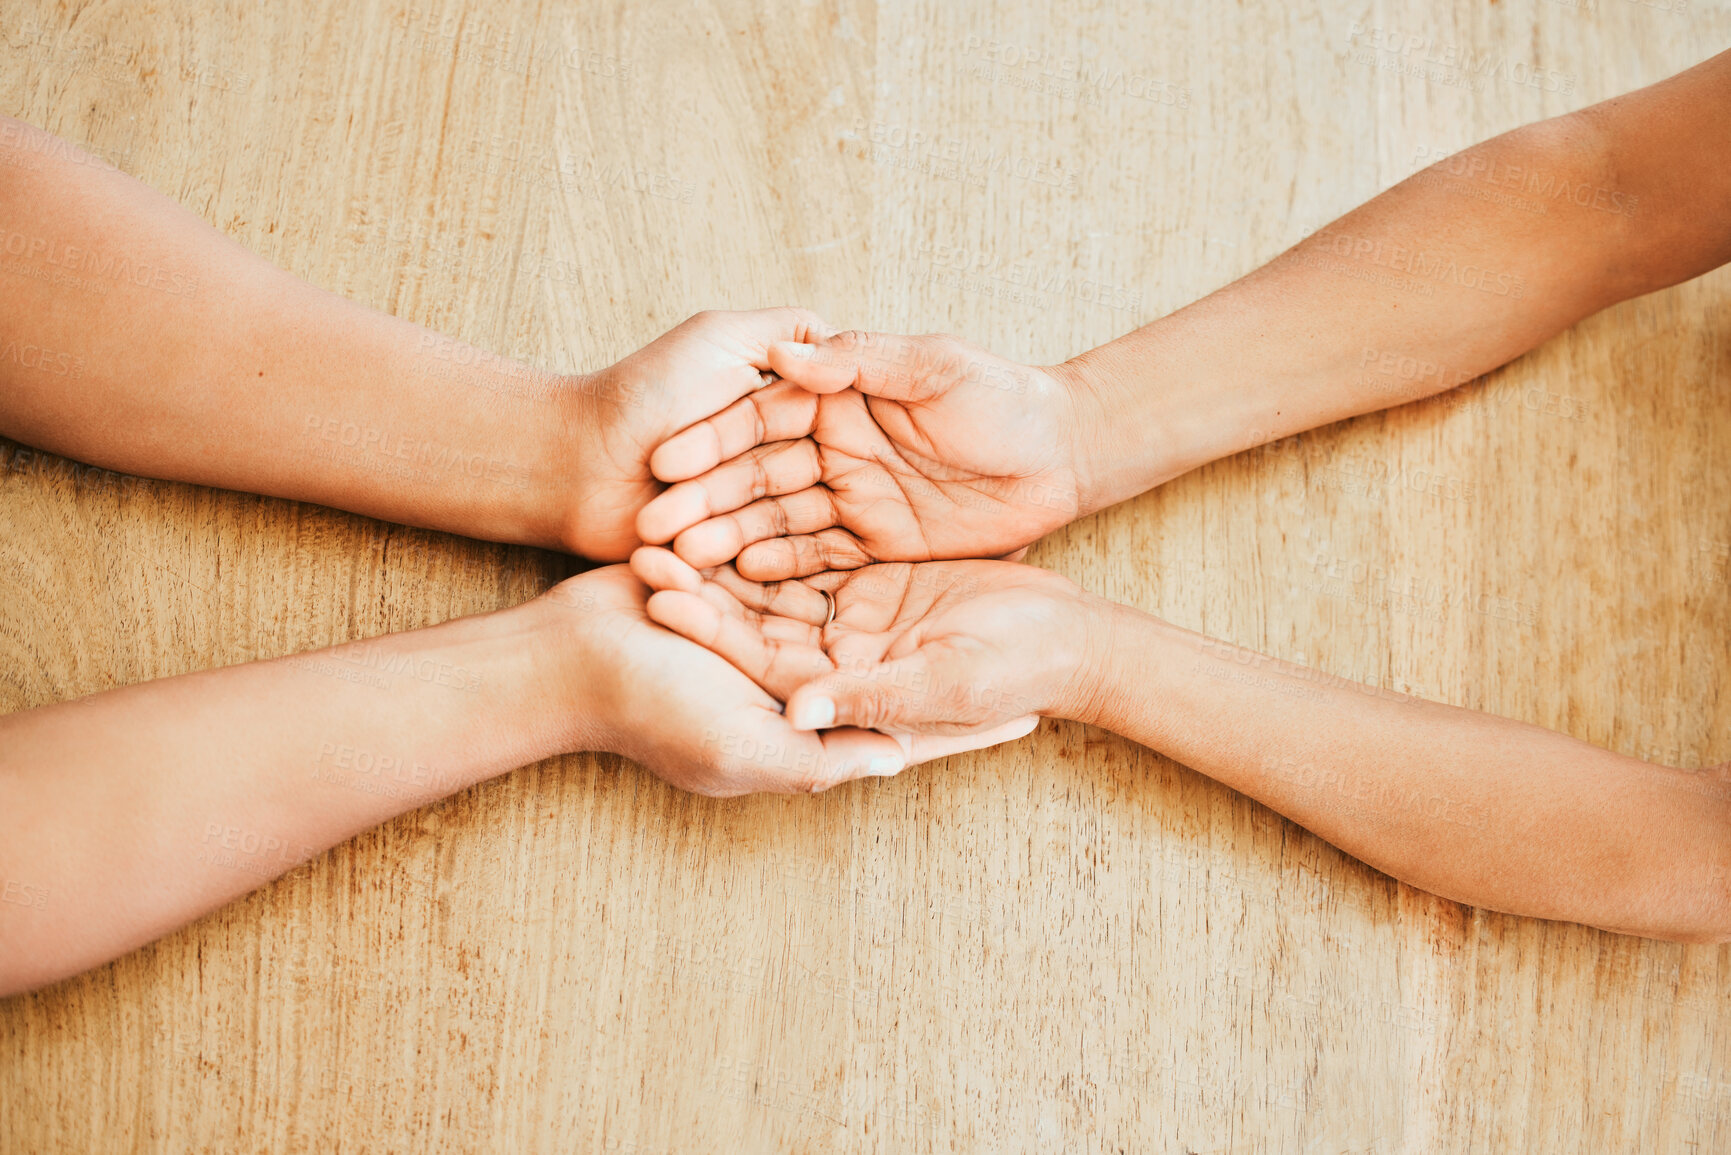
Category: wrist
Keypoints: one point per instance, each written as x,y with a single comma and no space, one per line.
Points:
1120,442
569,657
1117,658
1153,407
565,433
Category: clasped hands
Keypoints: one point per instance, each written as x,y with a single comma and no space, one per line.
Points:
799,462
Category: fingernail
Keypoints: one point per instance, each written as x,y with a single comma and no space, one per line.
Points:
815,715
884,767
800,349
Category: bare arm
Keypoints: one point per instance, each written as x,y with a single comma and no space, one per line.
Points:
136,337
1449,274
1473,807
129,813
1470,806
954,452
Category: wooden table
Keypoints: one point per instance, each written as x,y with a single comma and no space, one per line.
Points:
1068,944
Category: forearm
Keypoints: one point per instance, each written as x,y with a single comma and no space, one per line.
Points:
1442,278
136,337
129,813
1476,808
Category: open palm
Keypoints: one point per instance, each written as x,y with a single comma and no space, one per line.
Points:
700,723
875,448
623,413
935,648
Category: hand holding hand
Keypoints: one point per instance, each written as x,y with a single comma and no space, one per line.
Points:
938,648
878,448
692,718
616,418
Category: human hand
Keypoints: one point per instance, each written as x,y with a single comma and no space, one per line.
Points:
617,417
937,648
879,447
689,716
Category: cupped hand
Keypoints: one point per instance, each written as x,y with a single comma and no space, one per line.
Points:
617,417
935,648
692,718
874,448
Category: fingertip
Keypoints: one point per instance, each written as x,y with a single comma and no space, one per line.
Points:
813,711
671,513
686,614
662,569
768,561
689,453
803,364
709,543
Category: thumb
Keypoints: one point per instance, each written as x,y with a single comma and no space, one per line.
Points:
907,696
888,365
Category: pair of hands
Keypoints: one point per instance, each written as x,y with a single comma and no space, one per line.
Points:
801,451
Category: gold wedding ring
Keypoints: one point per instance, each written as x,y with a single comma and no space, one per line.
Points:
830,599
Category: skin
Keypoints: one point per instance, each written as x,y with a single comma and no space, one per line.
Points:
223,370
1475,808
129,813
1434,282
916,448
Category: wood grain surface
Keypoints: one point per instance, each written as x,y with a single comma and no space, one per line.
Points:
1067,944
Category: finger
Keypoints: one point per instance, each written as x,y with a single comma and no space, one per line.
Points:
779,412
789,599
926,747
721,538
776,664
750,332
850,753
777,559
907,695
888,365
768,470
662,569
